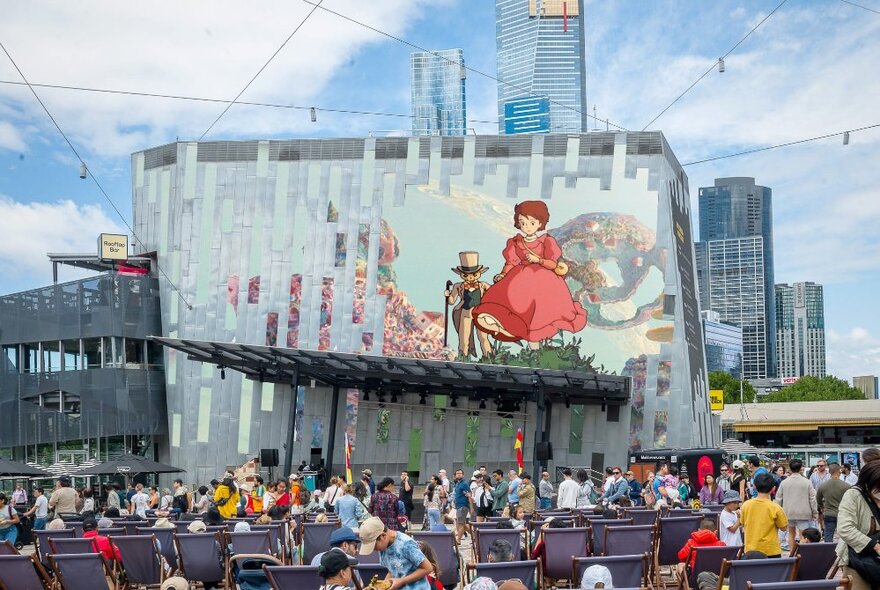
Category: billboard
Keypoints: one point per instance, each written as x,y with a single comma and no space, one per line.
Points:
527,115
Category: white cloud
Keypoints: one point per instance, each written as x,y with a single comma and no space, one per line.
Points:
856,352
29,230
11,138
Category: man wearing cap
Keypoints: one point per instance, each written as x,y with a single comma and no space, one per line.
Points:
335,567
407,565
345,540
367,478
63,499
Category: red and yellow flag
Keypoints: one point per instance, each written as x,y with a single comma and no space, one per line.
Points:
347,459
518,446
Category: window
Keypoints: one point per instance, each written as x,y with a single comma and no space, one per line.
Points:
113,350
91,353
31,358
154,354
51,356
71,356
134,353
10,358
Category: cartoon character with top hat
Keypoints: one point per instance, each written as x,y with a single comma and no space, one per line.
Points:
468,294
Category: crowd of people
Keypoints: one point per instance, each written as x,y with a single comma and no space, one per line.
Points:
767,510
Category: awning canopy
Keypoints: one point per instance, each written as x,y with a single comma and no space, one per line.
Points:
380,374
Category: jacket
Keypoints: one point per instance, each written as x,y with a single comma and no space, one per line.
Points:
499,495
230,507
103,545
616,491
853,524
707,497
797,496
700,538
527,497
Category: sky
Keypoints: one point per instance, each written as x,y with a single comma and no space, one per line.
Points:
809,70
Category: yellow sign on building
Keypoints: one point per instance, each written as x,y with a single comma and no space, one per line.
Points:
716,399
554,8
113,247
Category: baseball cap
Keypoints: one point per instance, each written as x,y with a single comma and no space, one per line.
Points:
196,526
738,464
175,583
343,535
293,476
595,574
369,531
730,496
368,472
333,562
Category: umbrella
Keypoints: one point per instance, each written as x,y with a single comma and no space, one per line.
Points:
15,469
129,465
737,447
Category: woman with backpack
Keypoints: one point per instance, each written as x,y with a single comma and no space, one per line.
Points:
226,498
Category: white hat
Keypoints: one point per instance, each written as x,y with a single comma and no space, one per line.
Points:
293,476
595,574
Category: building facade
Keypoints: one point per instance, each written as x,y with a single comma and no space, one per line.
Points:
738,208
79,380
800,330
439,101
540,53
347,244
731,277
869,385
724,345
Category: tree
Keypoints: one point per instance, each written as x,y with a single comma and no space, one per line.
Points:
814,389
730,385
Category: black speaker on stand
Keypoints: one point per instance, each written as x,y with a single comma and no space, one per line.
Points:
544,451
269,458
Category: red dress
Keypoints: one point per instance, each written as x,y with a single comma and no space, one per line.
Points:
531,302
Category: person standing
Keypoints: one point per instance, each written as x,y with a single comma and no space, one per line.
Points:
527,494
8,521
762,519
182,500
384,504
432,504
711,492
756,469
513,488
821,475
483,499
461,499
545,491
140,501
40,510
407,566
585,489
406,493
618,488
226,498
731,526
797,497
857,518
635,488
568,491
63,500
350,510
367,478
828,498
723,479
847,474
499,492
19,496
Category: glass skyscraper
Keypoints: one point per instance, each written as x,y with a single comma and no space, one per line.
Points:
724,345
437,79
738,208
800,330
730,275
540,48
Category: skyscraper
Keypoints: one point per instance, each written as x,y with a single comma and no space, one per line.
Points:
724,345
540,48
800,330
738,208
730,275
439,105
869,385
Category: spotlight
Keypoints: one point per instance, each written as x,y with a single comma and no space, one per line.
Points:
423,400
222,372
313,114
393,398
482,404
846,138
366,396
83,171
567,402
603,404
721,65
454,402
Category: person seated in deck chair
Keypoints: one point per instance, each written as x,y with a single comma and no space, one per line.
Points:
706,536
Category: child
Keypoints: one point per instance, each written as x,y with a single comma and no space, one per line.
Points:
762,518
810,535
670,482
704,537
731,524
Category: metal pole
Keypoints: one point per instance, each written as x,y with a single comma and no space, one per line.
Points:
539,433
291,423
331,441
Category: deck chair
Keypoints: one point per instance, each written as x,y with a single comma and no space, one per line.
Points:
284,577
560,545
23,572
316,538
803,585
758,571
642,517
483,539
130,526
247,571
199,557
165,540
72,546
672,533
112,532
7,548
448,557
489,524
527,572
708,559
628,540
626,570
82,572
140,561
598,525
276,538
253,542
44,550
817,560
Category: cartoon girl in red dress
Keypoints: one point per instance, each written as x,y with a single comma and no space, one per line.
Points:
530,300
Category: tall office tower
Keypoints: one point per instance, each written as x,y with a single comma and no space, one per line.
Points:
437,79
730,275
800,330
869,385
724,345
540,47
738,208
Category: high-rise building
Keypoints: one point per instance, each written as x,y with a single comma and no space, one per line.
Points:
730,275
869,385
540,48
738,208
724,345
439,105
800,330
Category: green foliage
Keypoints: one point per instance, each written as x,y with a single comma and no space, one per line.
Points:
730,385
554,353
814,389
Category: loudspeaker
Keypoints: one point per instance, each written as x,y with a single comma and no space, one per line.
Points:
269,457
544,451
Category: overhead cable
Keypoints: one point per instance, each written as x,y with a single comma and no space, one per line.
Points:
91,174
860,6
714,65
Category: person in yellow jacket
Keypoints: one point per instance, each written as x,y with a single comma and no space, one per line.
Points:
527,494
226,498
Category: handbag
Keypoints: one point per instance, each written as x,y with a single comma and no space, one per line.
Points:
866,562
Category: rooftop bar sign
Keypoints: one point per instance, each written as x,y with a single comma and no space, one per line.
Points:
113,247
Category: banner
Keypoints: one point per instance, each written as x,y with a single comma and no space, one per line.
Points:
347,460
518,445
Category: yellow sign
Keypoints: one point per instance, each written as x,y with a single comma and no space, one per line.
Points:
113,247
554,8
716,399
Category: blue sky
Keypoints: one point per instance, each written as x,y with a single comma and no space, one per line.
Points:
807,71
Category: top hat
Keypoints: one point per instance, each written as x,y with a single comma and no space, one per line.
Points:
470,263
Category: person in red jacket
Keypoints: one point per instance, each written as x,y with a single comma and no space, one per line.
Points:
90,531
707,536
